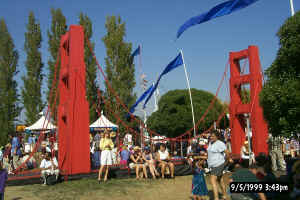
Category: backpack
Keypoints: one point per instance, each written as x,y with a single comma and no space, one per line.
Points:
51,180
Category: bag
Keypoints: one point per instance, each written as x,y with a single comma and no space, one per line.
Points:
51,180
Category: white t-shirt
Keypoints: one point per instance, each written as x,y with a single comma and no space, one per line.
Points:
163,155
243,153
128,138
189,149
216,153
47,163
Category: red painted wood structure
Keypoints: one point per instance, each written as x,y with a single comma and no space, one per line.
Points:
73,109
238,109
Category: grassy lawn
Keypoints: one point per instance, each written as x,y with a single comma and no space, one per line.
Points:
114,189
118,189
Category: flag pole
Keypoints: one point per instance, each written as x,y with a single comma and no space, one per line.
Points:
292,7
143,89
189,88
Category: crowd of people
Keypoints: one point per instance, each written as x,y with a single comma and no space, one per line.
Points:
208,155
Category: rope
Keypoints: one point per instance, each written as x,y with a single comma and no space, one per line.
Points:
41,136
124,106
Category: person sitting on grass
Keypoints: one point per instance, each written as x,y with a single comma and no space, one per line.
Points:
164,160
150,162
106,145
49,166
199,188
137,162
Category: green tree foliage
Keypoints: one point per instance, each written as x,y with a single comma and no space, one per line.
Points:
9,109
91,69
245,95
58,28
31,92
174,115
280,97
119,68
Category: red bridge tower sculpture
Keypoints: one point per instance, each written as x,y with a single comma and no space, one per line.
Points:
73,109
238,109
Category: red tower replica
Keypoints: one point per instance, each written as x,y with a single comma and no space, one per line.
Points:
238,109
73,109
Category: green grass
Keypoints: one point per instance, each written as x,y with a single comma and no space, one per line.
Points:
85,187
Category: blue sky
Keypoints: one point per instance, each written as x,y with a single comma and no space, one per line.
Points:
154,24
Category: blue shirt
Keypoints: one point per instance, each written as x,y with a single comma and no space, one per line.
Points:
215,154
31,140
14,144
125,155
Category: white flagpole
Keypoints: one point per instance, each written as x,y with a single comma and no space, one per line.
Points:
292,7
188,84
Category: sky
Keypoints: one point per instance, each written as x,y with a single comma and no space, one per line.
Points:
153,25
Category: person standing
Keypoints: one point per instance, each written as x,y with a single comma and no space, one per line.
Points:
199,185
15,150
275,148
216,153
106,145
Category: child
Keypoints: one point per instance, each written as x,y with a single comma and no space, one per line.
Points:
124,154
199,184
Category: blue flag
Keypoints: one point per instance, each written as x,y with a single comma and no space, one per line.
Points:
136,52
142,97
172,65
222,9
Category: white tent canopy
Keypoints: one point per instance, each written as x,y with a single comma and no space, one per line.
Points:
41,124
103,122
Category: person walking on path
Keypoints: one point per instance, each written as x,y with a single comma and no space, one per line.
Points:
216,157
199,185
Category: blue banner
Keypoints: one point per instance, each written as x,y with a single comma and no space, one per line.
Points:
142,97
172,65
222,9
136,52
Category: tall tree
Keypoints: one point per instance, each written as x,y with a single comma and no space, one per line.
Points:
280,97
58,28
9,108
174,115
91,69
31,92
119,68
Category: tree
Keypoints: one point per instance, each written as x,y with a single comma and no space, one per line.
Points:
31,92
174,114
280,97
119,68
58,28
91,69
9,108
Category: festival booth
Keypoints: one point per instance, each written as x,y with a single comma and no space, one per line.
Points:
103,123
42,124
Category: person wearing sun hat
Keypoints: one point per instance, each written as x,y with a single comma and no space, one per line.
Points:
137,162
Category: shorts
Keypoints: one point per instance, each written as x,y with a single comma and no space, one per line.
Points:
106,157
132,165
217,171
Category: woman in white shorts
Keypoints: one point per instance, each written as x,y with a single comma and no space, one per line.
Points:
106,145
